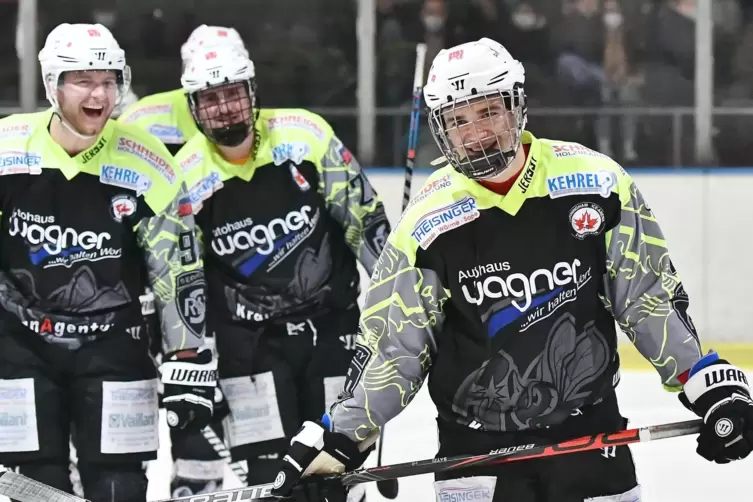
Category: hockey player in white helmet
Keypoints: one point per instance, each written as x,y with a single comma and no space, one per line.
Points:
502,283
165,114
286,215
196,466
93,215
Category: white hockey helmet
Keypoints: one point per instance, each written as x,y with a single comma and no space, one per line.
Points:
81,47
477,107
205,36
210,80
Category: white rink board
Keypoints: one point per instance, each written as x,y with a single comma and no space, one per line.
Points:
706,219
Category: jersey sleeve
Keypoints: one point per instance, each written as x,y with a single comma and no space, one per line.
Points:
402,313
170,244
644,292
353,203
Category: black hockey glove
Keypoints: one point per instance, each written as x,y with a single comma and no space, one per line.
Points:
719,393
190,381
314,453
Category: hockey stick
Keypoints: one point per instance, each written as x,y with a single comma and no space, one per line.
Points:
389,488
433,465
219,446
415,114
19,487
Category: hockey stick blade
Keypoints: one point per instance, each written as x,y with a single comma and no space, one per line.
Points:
504,455
19,487
389,488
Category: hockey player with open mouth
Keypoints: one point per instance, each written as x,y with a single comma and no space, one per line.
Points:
91,217
502,283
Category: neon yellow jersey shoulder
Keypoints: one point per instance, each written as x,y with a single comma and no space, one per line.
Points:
292,135
165,115
199,164
445,201
22,148
573,169
145,161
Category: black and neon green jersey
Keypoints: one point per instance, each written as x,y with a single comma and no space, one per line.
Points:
282,232
165,115
508,303
81,237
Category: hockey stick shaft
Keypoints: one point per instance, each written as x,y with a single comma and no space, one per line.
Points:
221,449
389,489
501,456
415,115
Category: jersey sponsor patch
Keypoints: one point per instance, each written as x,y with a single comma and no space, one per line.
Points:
167,134
18,420
122,206
587,219
54,245
190,297
124,177
149,110
15,131
192,161
204,189
294,152
431,188
131,147
444,219
130,417
575,150
20,162
296,122
255,413
599,183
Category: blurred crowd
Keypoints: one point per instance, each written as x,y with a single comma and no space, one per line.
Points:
584,54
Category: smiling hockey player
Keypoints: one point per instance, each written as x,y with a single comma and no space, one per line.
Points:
91,216
285,214
502,283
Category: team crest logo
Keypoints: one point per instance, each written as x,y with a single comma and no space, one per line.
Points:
122,206
190,297
587,219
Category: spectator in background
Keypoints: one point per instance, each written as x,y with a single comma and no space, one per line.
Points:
434,22
154,36
473,19
619,87
530,40
579,44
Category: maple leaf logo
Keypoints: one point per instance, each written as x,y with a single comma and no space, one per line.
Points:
586,222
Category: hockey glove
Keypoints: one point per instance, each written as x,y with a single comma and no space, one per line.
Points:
190,380
315,453
719,393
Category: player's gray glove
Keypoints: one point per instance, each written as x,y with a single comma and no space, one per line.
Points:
719,393
190,382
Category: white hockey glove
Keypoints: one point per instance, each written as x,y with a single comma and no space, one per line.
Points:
190,381
314,453
719,393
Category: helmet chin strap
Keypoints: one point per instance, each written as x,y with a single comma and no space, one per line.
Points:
71,129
